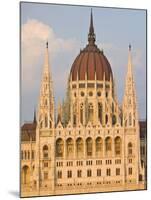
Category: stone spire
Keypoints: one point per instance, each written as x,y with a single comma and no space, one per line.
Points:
130,115
46,102
91,34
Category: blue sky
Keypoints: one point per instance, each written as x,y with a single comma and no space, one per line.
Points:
66,28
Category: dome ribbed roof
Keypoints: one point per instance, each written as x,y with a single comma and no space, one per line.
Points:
90,61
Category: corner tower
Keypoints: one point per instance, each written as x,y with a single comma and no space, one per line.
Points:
131,128
130,113
45,142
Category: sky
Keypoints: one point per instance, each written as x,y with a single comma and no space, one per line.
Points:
66,29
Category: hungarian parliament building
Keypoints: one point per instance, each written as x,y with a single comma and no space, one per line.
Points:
92,144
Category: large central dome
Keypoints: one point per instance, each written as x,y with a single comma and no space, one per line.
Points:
91,60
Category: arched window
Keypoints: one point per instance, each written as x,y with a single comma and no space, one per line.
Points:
106,119
108,145
113,120
90,112
25,175
117,143
81,113
70,147
79,147
59,148
45,151
130,148
74,119
99,146
100,110
89,146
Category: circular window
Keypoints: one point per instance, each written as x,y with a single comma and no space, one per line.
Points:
90,94
99,94
82,94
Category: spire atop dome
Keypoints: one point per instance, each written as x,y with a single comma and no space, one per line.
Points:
91,29
91,35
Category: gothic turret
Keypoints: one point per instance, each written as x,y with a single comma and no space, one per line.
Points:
130,116
46,102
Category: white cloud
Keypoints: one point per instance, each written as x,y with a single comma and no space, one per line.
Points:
34,35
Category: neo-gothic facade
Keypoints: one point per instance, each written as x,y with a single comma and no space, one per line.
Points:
94,144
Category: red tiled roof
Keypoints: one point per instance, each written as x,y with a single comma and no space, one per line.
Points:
89,61
29,126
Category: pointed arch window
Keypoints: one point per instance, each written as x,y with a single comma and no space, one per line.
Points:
89,146
79,147
45,151
25,175
59,148
74,119
70,147
130,148
117,146
106,119
81,113
108,145
99,146
113,120
100,111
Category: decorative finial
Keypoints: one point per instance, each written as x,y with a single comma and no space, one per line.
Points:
91,29
91,35
129,47
47,44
